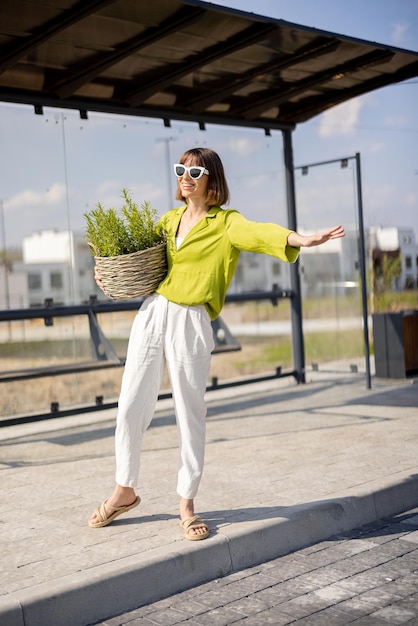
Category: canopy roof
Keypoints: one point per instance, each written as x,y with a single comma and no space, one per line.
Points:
184,60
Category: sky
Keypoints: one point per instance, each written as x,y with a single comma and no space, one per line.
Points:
56,167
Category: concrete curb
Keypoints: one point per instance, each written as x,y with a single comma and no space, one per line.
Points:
92,595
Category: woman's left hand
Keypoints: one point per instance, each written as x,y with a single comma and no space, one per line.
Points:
98,279
308,241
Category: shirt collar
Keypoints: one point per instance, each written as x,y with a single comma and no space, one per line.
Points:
211,213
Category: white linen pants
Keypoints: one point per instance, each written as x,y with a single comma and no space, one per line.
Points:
181,337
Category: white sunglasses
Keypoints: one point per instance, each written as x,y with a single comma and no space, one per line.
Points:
195,171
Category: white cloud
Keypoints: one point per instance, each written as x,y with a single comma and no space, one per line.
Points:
259,180
411,199
324,205
148,191
375,147
109,193
33,210
396,121
398,31
387,205
380,196
31,198
243,146
108,188
341,119
54,194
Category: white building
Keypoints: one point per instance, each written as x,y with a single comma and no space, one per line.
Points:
396,243
13,288
58,265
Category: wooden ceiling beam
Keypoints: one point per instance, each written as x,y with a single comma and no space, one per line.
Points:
315,105
11,55
218,91
268,98
153,83
88,72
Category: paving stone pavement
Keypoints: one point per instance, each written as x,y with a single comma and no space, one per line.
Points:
287,466
368,576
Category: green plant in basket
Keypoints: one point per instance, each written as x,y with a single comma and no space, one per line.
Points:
129,251
110,233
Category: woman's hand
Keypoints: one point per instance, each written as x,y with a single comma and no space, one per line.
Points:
98,279
308,241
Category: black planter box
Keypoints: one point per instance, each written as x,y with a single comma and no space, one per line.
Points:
396,344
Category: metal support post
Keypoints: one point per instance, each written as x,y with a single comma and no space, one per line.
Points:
296,300
362,258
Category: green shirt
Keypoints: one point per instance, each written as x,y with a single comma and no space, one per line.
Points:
201,269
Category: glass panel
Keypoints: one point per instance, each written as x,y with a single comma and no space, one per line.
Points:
45,365
331,289
59,166
264,332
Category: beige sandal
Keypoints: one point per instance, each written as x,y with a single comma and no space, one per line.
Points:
105,519
192,523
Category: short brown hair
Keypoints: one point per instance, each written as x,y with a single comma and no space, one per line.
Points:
218,192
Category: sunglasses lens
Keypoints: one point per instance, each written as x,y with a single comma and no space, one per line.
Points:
195,172
180,169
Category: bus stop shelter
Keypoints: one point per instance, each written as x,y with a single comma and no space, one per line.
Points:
188,60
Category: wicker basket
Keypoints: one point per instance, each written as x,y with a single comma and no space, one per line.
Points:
133,275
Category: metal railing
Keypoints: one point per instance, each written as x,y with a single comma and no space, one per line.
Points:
105,356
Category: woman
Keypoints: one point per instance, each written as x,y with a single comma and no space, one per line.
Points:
173,327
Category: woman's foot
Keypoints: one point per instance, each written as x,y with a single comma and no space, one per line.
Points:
194,527
121,500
